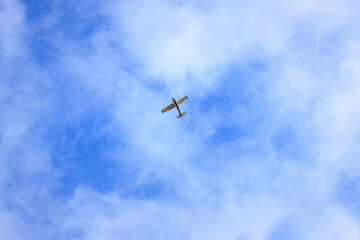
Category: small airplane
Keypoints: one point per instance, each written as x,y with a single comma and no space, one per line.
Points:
176,104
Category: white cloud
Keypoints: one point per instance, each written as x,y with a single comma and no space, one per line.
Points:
173,41
335,223
24,104
238,189
219,194
11,29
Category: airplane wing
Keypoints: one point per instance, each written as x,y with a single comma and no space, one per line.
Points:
181,100
171,106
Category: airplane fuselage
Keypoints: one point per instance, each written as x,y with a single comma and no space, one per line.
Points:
176,105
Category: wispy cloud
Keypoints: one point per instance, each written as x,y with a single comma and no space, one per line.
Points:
267,150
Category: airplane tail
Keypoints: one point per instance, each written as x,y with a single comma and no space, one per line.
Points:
180,116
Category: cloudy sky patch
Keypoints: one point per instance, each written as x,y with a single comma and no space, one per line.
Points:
268,147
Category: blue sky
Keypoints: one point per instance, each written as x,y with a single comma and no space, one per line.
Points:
268,149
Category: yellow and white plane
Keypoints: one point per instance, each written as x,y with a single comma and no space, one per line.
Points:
176,104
